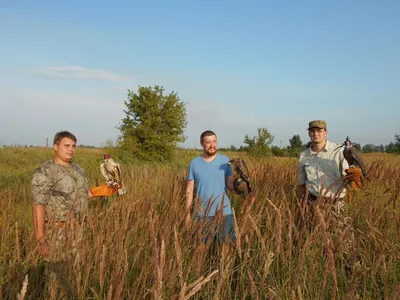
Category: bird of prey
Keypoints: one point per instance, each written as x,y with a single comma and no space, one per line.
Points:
243,176
353,157
111,171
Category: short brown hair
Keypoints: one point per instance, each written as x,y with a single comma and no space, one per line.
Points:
206,133
63,134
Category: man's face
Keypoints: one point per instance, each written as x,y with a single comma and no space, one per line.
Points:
317,135
65,150
209,144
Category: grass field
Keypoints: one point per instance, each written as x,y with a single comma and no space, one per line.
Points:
137,247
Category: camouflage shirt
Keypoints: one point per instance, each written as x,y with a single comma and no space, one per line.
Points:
318,171
62,190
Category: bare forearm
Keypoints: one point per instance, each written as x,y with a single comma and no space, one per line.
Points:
229,182
90,194
189,200
189,197
38,221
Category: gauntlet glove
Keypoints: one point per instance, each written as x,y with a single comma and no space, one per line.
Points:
103,190
354,175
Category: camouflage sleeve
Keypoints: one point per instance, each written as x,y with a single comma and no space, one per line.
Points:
82,191
41,186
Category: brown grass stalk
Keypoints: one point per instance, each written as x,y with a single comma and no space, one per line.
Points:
199,284
329,253
278,227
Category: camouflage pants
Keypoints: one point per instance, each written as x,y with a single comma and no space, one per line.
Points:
64,239
64,242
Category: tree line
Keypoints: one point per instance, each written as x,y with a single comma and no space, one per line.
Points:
155,121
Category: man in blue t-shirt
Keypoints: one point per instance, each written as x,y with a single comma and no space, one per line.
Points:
212,175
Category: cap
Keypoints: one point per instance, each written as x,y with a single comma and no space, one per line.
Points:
317,123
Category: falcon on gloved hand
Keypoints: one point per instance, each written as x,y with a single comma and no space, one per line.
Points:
356,171
353,157
242,177
111,171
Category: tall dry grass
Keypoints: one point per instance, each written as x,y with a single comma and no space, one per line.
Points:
137,247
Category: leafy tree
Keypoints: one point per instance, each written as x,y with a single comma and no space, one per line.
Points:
369,148
259,145
295,142
295,145
154,123
391,148
397,142
277,151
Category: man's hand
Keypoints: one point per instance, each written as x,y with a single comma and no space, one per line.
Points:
116,184
354,175
43,246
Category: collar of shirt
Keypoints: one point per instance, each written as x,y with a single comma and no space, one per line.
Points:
326,148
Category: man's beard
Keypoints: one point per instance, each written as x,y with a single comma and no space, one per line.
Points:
211,152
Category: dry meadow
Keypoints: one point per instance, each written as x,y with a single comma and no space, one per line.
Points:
137,246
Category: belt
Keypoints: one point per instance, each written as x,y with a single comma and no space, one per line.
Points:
312,197
58,223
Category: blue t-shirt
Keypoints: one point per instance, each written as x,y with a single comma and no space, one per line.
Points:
210,181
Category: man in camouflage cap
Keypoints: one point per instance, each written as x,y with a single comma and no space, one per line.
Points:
321,166
60,196
321,171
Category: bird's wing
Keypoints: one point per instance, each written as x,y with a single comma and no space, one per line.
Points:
109,166
244,171
348,155
358,160
104,172
117,172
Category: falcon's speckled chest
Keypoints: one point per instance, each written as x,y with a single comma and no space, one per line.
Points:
110,166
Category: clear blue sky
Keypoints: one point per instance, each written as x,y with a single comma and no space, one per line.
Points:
239,66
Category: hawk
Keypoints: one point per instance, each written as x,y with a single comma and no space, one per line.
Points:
353,157
243,175
111,171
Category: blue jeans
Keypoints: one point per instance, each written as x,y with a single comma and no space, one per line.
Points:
219,227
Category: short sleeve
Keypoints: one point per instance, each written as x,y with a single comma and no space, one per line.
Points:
190,175
82,191
229,171
41,186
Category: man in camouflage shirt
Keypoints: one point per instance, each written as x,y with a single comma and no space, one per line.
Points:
60,196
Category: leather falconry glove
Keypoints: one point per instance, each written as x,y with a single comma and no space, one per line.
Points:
239,186
354,175
103,190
